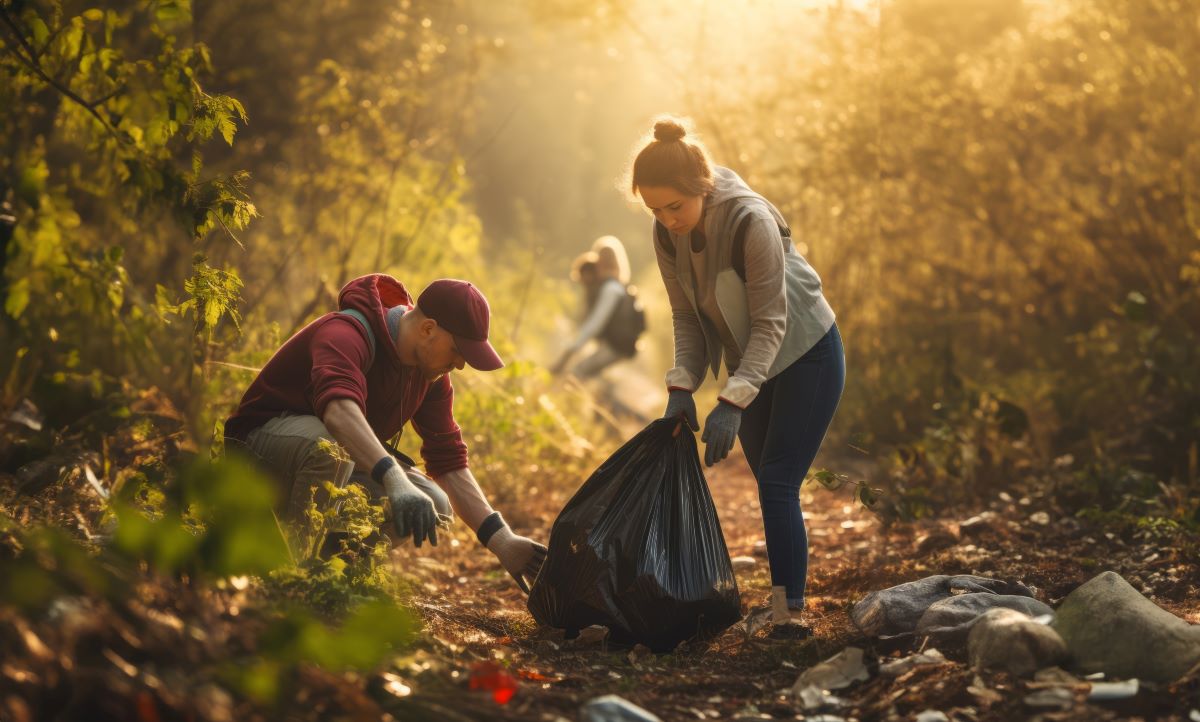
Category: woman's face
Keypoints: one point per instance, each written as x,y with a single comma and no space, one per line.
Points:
677,211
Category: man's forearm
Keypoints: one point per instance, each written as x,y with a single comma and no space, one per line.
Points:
350,429
465,496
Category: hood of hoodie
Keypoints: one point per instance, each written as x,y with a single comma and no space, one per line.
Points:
372,296
729,186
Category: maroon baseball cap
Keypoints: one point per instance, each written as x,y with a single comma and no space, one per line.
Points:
461,309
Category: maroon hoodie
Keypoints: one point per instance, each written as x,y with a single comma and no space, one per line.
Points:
330,358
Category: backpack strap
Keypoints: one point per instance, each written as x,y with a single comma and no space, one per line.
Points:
362,321
662,239
739,244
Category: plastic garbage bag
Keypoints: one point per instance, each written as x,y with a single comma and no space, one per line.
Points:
639,550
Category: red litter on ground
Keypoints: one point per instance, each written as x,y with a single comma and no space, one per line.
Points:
491,677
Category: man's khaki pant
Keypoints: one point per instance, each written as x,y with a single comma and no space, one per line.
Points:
290,446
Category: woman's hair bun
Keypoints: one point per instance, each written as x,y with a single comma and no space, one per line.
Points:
668,130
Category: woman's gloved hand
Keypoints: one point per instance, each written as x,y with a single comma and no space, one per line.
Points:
720,429
681,403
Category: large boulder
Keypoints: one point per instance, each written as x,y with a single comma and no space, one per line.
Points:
898,609
1008,639
1110,627
949,621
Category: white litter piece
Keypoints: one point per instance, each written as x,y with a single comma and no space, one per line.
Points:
1105,691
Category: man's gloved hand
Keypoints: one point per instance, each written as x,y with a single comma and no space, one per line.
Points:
522,557
412,509
681,403
720,429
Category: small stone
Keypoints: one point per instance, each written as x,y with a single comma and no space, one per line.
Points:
639,653
1007,639
1051,698
932,715
743,563
594,634
977,524
935,539
1040,517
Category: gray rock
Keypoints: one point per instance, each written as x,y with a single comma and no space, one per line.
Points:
949,620
898,609
611,708
1109,627
1009,640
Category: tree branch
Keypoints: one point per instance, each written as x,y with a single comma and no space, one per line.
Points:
31,62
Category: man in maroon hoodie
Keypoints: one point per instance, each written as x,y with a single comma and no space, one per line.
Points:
356,377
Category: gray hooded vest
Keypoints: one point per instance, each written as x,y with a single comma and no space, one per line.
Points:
775,315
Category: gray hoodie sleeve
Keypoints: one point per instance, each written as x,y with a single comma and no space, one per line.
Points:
610,296
690,352
766,301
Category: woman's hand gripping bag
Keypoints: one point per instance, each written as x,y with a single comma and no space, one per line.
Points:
639,550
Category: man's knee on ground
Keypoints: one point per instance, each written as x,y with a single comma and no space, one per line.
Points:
323,461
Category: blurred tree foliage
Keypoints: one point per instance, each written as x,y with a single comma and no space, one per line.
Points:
1000,195
1004,202
197,541
361,111
104,116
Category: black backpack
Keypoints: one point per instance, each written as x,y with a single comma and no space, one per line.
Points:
627,324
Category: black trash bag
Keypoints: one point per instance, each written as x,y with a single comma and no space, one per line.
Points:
639,550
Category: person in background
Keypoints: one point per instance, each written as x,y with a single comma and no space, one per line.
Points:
613,317
356,376
739,290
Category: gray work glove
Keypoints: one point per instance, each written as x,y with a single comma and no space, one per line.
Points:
412,509
720,429
681,403
522,557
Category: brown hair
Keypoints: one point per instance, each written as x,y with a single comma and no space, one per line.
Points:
585,263
669,160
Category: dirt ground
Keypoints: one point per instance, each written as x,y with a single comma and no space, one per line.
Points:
483,636
481,655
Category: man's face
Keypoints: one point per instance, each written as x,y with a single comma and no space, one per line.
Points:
677,211
436,353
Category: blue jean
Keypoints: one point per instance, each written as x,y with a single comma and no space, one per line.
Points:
781,431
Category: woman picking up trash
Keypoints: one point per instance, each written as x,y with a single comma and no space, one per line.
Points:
738,289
